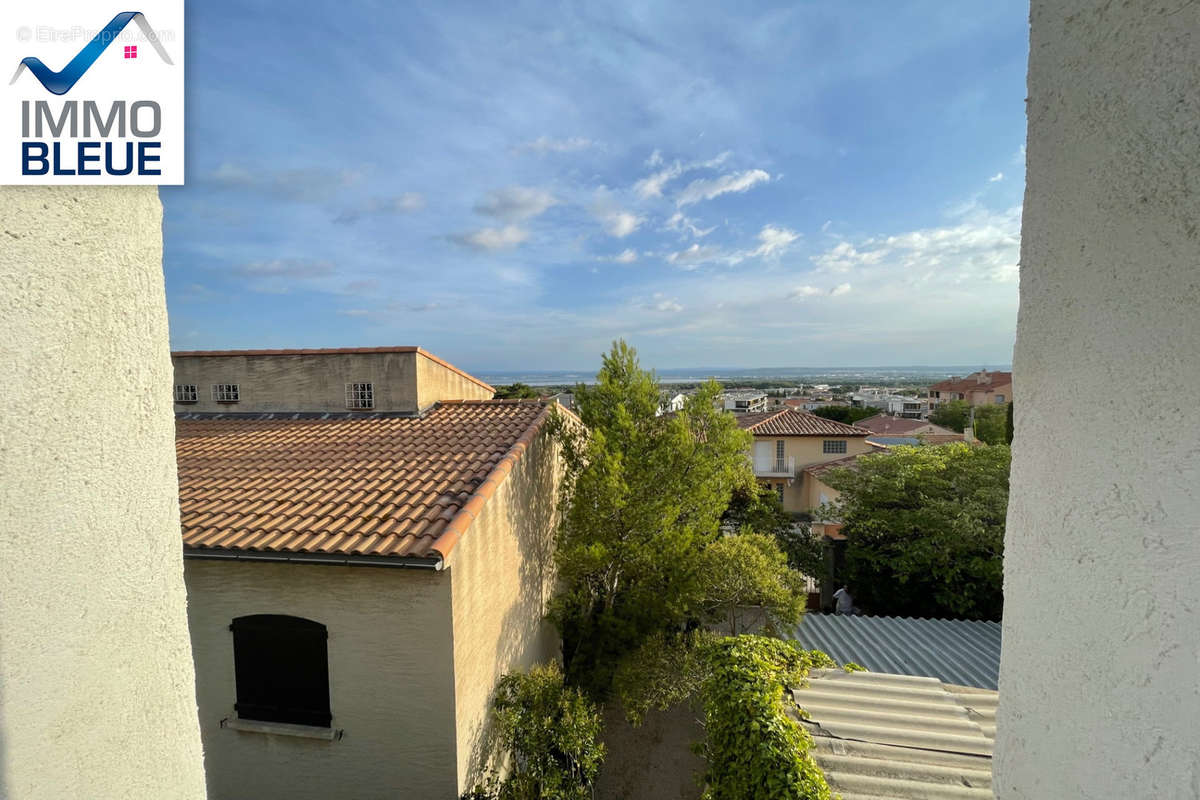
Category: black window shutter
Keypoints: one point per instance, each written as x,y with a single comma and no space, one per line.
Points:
281,665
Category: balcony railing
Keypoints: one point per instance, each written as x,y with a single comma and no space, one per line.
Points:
775,467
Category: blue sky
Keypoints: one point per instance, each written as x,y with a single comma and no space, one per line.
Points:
512,186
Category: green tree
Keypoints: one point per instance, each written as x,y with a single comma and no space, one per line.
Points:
516,391
760,511
926,530
549,735
643,496
991,424
846,414
746,576
953,415
1008,424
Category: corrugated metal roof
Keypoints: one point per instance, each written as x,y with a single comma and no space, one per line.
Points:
879,736
960,652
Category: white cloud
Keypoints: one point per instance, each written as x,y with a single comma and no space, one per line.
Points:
515,203
620,223
626,256
706,188
668,305
681,224
492,239
654,159
826,226
774,241
984,246
545,144
286,268
840,289
652,185
407,203
694,256
659,302
801,292
999,176
354,312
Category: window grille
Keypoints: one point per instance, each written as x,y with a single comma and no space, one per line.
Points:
185,393
225,393
360,395
833,446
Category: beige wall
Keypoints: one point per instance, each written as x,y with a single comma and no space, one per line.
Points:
501,574
96,689
299,382
808,450
391,681
436,382
1099,691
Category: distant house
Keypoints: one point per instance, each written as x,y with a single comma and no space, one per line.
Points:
977,389
889,430
745,402
670,403
788,442
891,402
367,540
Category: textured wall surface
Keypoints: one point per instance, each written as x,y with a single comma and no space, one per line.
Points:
502,572
436,382
96,689
299,382
391,681
1099,688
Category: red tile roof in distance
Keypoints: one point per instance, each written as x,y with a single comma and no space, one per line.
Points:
380,487
790,422
332,351
970,383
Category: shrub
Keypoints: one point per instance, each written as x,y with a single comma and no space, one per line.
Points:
549,734
754,749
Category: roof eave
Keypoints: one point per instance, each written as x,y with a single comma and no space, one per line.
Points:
327,559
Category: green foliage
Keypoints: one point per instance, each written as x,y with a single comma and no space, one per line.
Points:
759,510
1008,424
926,530
642,497
516,391
747,573
551,737
851,666
666,670
991,424
953,415
753,748
846,414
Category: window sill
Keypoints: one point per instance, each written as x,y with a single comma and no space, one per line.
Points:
282,729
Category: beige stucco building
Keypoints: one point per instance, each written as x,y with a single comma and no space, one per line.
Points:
789,441
414,548
981,388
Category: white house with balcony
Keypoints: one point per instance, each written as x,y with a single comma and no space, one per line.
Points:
745,402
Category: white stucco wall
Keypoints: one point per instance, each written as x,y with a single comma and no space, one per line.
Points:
97,697
1100,673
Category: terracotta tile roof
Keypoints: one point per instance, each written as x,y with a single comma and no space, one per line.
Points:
994,380
886,425
823,468
790,422
332,351
381,487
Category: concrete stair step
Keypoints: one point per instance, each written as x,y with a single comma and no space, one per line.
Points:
906,770
875,786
